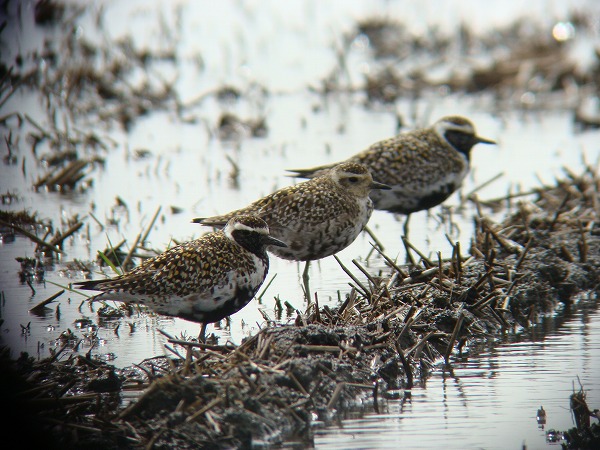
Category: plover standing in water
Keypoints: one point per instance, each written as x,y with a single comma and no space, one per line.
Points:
423,167
316,218
204,280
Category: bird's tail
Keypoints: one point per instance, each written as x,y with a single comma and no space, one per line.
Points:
90,285
215,222
308,173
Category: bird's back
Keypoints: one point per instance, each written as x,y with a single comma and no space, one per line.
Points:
315,218
194,271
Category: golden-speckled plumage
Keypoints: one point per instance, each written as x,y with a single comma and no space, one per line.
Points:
423,166
316,218
202,280
186,268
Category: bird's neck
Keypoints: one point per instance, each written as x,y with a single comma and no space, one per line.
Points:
463,143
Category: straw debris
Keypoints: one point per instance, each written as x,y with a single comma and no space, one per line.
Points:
272,387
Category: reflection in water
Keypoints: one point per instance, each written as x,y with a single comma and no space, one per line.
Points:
541,417
492,398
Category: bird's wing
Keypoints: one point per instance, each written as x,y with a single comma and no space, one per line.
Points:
194,265
264,207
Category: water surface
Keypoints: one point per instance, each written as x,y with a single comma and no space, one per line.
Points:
489,400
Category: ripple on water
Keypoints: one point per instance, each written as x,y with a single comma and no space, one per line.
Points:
490,400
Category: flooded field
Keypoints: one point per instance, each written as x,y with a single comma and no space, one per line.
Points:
489,400
169,111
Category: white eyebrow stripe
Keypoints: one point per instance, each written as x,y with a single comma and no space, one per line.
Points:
241,226
444,125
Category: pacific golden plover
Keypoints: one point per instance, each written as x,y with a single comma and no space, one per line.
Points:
315,218
204,280
423,167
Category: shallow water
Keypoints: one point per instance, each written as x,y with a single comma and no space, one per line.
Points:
244,44
489,400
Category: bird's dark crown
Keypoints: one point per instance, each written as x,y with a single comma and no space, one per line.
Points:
248,223
352,168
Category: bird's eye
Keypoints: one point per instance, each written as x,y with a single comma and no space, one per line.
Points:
353,179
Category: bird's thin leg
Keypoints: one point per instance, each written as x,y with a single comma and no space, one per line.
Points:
406,225
305,279
409,259
201,336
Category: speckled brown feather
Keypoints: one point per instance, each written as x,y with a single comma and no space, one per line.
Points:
316,218
202,280
190,267
422,166
423,156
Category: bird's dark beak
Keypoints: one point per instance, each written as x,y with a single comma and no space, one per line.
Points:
481,140
270,240
377,185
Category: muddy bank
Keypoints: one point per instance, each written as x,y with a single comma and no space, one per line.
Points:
544,255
